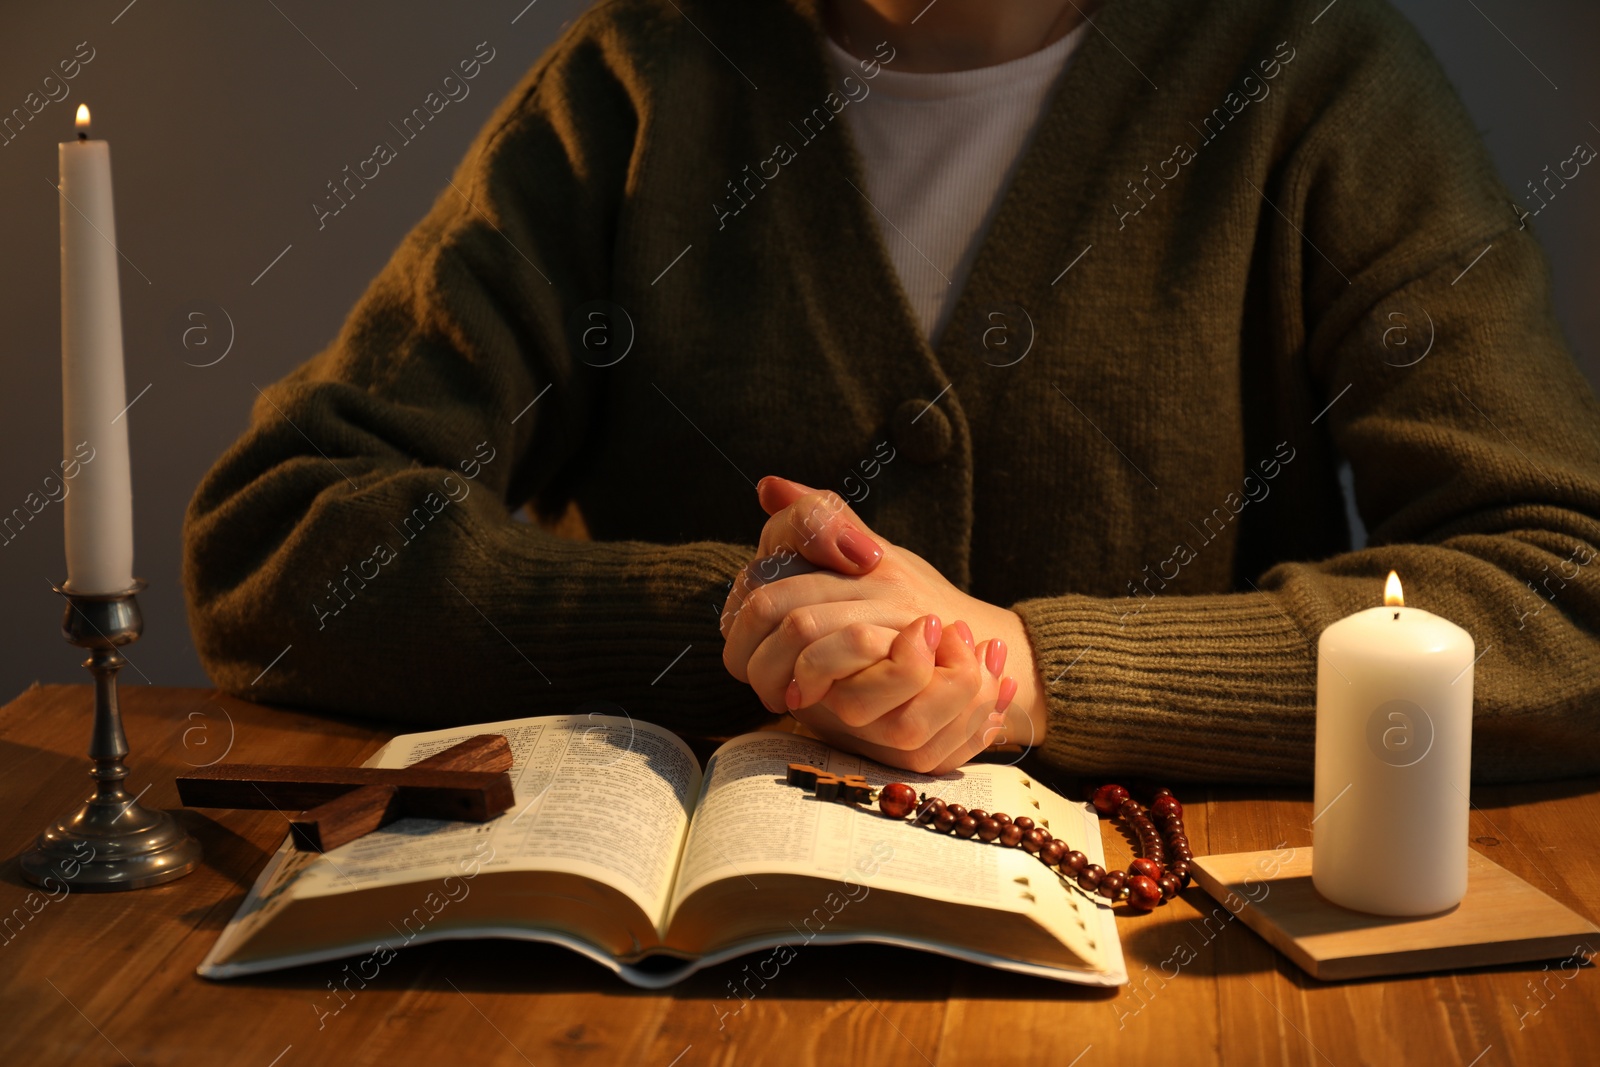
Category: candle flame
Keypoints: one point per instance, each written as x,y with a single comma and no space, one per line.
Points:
1392,596
83,116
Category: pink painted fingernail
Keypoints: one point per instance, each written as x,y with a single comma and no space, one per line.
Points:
932,629
1008,690
791,696
995,660
964,632
857,547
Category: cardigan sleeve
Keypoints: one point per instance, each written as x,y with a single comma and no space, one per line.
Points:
1476,466
355,551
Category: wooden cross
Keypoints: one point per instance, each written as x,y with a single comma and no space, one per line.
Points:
468,781
846,789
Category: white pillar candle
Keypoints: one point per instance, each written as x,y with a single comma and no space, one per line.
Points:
1394,760
99,508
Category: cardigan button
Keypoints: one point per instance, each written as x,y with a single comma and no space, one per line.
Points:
921,431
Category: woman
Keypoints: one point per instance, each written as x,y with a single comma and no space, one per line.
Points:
1080,318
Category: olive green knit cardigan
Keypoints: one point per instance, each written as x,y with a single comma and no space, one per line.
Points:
1247,243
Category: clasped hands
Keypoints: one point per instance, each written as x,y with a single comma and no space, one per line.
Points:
875,651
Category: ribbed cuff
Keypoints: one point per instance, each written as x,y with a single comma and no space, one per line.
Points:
1217,687
625,623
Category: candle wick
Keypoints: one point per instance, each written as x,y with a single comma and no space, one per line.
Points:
83,135
1397,614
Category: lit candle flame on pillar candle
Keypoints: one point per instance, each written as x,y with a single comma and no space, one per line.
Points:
99,507
1394,760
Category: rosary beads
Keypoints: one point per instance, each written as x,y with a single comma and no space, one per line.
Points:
1157,875
1160,872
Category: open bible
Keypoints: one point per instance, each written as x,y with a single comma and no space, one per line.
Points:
621,849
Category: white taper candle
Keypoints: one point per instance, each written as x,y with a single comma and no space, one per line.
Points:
99,508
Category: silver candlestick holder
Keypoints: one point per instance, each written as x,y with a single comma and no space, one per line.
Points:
112,841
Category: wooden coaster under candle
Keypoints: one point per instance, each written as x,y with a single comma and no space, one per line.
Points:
1502,919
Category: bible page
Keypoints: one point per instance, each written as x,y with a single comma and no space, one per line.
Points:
600,796
749,822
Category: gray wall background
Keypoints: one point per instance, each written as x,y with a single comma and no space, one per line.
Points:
226,122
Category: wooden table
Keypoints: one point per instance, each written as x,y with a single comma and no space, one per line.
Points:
109,978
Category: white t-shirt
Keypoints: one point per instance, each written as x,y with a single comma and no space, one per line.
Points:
939,151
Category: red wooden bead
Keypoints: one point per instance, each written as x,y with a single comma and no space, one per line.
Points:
1010,835
1162,791
1032,840
1024,823
945,821
1073,861
1111,884
896,800
1108,798
1180,870
1002,818
929,809
966,826
1090,876
1143,893
1170,885
1147,867
988,829
957,810
1052,852
978,813
1166,805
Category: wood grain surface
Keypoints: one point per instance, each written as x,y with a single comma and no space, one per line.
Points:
109,978
1502,919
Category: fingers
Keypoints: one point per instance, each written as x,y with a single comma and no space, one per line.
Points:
858,689
938,717
941,727
751,616
784,563
916,762
842,738
777,493
964,632
851,648
990,719
818,525
915,727
854,629
971,747
754,606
